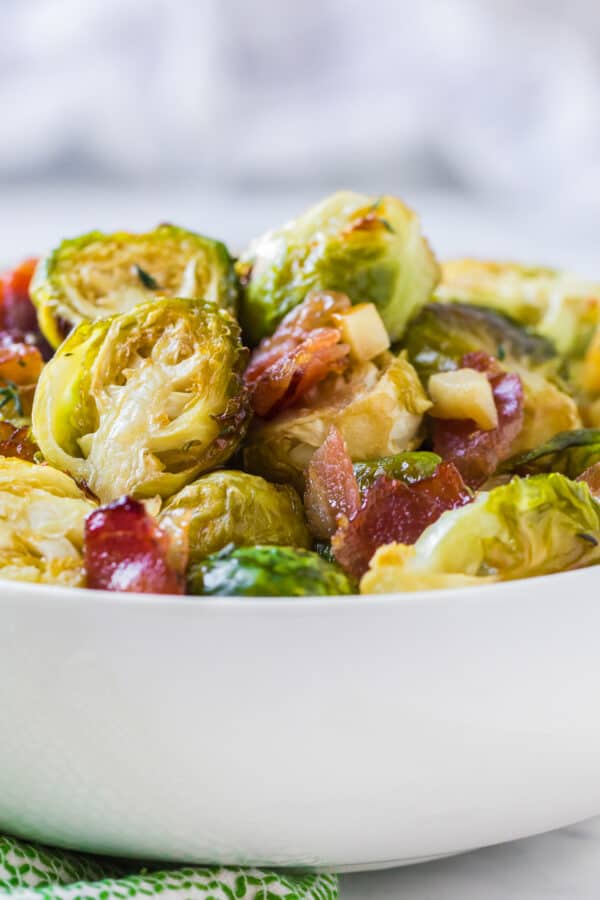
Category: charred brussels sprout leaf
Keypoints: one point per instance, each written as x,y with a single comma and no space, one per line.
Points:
230,507
146,401
531,526
377,408
408,467
571,453
370,249
99,275
442,334
557,304
267,572
42,516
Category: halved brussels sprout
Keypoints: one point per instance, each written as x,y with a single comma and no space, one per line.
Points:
377,408
530,526
42,515
570,453
99,275
231,507
557,304
144,402
547,410
370,249
443,333
267,572
408,467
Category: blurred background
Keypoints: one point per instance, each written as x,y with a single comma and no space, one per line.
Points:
230,116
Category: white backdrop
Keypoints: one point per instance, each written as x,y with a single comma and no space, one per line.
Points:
501,96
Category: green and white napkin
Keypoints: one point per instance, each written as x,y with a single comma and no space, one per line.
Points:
33,872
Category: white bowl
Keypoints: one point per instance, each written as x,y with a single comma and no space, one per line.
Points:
341,733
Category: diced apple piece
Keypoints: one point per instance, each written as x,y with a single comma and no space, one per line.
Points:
363,330
463,394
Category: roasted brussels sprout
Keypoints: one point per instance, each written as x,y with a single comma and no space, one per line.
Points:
99,275
442,334
557,304
230,507
371,250
266,572
42,515
377,408
408,467
547,410
530,526
571,453
144,402
15,440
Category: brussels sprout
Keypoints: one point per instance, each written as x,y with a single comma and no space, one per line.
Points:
144,402
42,515
266,572
557,304
371,250
377,408
442,334
98,275
408,467
570,453
547,410
233,507
530,526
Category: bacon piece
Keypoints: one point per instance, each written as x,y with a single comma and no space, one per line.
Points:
16,442
305,349
20,367
17,312
591,476
332,489
477,453
125,550
394,511
20,362
16,309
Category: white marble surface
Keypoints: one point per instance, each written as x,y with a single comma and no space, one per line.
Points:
562,864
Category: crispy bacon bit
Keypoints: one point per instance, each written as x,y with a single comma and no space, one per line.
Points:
332,489
20,367
17,312
16,309
306,347
591,476
477,453
395,511
16,442
20,362
125,550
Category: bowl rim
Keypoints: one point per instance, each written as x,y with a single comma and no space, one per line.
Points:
31,591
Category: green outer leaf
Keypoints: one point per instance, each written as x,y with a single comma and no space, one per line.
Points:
557,304
267,572
232,507
530,526
570,452
442,333
371,251
56,313
409,467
